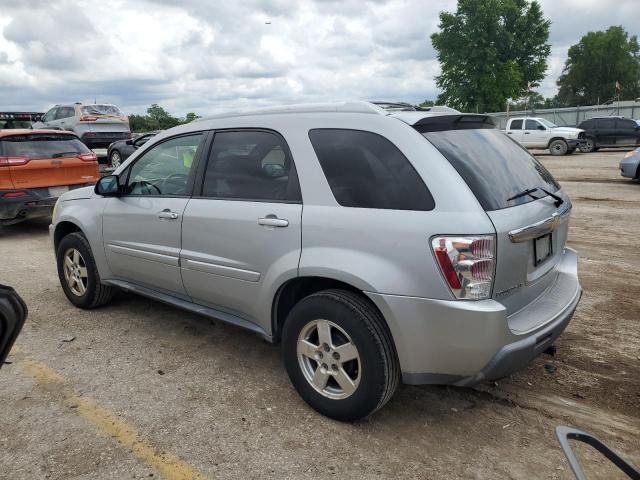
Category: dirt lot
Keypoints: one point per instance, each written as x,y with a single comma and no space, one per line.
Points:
144,390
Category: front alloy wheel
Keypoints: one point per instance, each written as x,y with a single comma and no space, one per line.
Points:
75,272
329,360
116,159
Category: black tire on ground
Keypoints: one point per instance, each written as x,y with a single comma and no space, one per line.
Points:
571,150
380,370
588,146
558,147
96,293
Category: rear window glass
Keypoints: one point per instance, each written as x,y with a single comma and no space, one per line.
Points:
366,170
101,110
494,166
516,125
41,146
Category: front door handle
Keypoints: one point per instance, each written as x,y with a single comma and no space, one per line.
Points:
168,214
273,221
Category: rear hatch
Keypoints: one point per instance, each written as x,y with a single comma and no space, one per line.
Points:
531,228
104,119
37,160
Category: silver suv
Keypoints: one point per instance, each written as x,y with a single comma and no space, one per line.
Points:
375,246
97,125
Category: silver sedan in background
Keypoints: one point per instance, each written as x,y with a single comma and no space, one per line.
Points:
630,165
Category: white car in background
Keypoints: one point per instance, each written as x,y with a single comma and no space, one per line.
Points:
540,133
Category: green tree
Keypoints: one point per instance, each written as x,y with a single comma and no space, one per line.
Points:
489,50
596,63
157,118
427,103
190,117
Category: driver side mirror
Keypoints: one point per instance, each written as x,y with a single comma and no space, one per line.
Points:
541,127
108,186
129,142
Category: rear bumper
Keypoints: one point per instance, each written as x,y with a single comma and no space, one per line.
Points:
103,139
36,203
629,167
464,343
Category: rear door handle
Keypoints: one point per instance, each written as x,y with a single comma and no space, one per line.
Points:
273,221
527,133
168,214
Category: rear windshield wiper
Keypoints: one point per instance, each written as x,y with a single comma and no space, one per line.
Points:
63,154
529,191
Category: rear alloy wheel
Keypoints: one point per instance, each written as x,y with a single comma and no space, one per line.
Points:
588,146
558,147
115,159
339,354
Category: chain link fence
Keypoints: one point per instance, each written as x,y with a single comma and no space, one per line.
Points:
572,116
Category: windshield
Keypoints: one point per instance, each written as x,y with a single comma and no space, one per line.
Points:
101,110
39,146
494,166
547,123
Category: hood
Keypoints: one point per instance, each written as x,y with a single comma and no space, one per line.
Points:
77,194
567,130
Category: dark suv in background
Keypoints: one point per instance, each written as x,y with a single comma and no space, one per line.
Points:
610,132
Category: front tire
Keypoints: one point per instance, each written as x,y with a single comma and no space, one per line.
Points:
588,146
558,147
339,355
78,273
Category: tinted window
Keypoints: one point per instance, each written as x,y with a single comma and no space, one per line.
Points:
366,170
586,125
532,125
37,146
493,165
607,123
50,115
250,165
516,125
165,168
624,124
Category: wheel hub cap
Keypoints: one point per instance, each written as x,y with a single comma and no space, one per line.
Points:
329,359
75,272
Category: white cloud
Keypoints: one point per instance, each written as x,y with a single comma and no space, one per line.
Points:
202,56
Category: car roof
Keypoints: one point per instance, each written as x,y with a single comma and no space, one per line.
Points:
354,106
29,131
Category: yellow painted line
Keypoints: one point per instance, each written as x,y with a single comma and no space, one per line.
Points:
167,464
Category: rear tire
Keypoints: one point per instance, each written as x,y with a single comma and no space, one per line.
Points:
79,275
558,147
318,374
115,159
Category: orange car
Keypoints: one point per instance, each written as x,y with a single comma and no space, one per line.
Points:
36,167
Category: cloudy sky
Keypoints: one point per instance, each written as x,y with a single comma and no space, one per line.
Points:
210,56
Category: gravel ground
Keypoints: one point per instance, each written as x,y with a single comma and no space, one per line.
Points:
145,390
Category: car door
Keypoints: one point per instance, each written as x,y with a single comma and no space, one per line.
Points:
142,227
47,119
515,130
241,235
605,132
64,118
627,132
535,134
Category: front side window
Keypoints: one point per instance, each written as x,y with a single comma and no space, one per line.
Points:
250,165
366,170
50,115
165,168
533,125
65,112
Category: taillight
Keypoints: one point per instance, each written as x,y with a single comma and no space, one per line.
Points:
467,264
88,157
13,161
88,118
14,194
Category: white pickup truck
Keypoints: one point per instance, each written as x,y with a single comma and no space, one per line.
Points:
540,133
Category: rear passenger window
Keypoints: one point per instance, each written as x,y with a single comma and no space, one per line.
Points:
516,125
607,123
250,165
366,170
